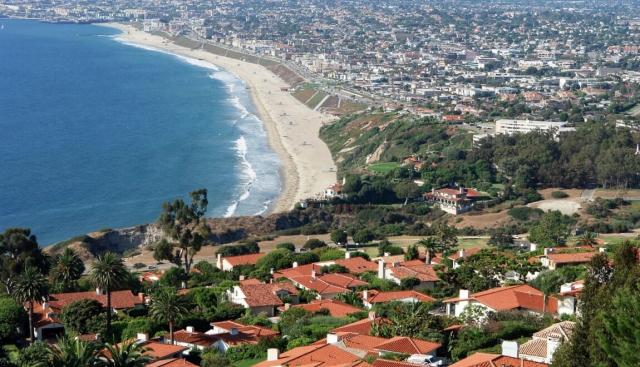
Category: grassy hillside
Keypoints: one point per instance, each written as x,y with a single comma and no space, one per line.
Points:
389,137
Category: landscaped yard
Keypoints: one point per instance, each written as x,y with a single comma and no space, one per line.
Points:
384,167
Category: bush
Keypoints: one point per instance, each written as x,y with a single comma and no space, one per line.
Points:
313,244
249,247
12,316
559,195
524,213
287,246
83,316
330,253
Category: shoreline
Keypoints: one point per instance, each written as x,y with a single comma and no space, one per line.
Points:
307,166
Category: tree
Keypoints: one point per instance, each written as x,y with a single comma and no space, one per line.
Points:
351,298
18,250
168,306
12,318
620,336
81,316
276,260
186,225
287,246
447,237
36,354
126,354
108,273
363,236
551,230
214,358
30,287
72,352
163,250
588,239
67,269
313,244
501,238
431,246
412,253
339,237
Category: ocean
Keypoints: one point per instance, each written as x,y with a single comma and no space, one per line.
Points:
96,133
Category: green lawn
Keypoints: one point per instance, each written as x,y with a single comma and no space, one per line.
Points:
247,362
383,167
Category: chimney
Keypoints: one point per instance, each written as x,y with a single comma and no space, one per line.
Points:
189,329
142,337
273,354
287,306
510,349
295,264
347,255
461,253
219,261
372,315
141,297
234,331
99,291
365,295
387,254
332,338
547,251
602,249
183,285
463,294
461,190
553,342
45,305
381,269
313,274
271,271
241,278
433,190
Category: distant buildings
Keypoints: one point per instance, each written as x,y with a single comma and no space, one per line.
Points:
453,201
509,126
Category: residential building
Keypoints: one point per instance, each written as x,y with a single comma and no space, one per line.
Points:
453,201
372,297
263,298
418,269
229,262
511,126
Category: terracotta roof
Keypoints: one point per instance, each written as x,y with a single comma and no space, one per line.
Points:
359,327
329,283
374,296
467,252
363,343
250,259
406,345
563,328
476,360
257,295
538,345
571,258
157,350
414,269
193,338
358,265
534,347
503,361
171,362
388,363
326,355
255,330
513,297
336,308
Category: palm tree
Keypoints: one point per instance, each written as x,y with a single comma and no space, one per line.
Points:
72,352
431,245
126,354
168,306
108,273
588,239
30,286
67,269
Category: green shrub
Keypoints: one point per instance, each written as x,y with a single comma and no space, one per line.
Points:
559,195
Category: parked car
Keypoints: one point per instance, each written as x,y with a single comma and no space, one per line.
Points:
426,360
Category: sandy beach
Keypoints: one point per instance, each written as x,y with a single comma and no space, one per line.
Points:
292,128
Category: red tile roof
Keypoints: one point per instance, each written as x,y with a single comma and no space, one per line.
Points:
157,350
374,296
329,283
513,297
467,252
257,295
571,258
250,259
193,338
336,308
171,362
359,327
326,355
406,345
255,330
414,269
388,363
476,360
357,265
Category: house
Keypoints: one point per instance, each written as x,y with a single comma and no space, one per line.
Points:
554,258
495,360
461,254
517,297
333,191
406,345
328,286
262,298
335,308
372,297
234,327
157,350
171,362
453,201
361,326
316,355
417,269
47,313
568,297
545,342
365,345
192,339
229,262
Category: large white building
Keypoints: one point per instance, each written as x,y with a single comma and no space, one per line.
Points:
508,126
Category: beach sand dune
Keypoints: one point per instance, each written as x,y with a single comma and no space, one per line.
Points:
292,128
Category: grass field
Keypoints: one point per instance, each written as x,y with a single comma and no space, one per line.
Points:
384,167
304,94
317,98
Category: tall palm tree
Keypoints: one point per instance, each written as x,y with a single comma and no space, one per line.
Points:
67,269
168,306
72,352
30,286
431,245
126,354
108,273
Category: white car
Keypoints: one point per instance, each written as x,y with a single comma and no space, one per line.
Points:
426,360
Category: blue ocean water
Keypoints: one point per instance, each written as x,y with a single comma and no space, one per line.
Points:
97,134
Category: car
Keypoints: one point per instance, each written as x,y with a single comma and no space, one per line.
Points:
426,360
